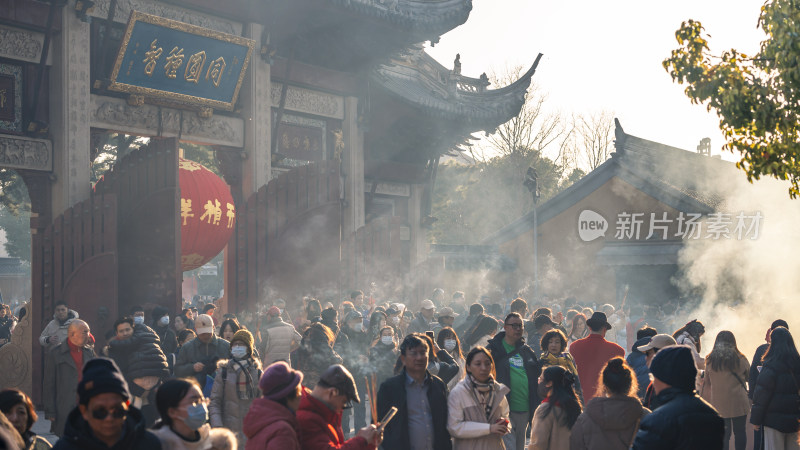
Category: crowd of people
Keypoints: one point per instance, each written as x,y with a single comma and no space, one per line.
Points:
450,376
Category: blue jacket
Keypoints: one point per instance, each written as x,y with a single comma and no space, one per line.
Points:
638,363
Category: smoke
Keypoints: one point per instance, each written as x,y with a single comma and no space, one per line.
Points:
743,285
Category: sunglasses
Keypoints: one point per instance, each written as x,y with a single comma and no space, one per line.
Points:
516,326
102,413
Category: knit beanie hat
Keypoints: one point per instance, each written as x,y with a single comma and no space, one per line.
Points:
100,376
279,380
675,366
245,337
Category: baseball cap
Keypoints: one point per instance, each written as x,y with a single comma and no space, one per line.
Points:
658,341
204,324
447,312
428,304
337,376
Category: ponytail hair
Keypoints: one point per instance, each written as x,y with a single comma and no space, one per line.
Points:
563,395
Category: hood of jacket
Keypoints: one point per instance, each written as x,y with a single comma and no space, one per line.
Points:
79,434
614,413
263,413
71,315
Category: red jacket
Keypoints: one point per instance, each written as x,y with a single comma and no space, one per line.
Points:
321,429
591,354
270,425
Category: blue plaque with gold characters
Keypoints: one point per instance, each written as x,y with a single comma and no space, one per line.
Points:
180,63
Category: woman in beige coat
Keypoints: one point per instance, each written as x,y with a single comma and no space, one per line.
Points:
610,421
554,418
724,387
477,406
235,386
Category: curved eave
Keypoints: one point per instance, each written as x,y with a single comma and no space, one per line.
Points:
422,16
483,110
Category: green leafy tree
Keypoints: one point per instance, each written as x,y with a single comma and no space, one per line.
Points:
17,232
756,97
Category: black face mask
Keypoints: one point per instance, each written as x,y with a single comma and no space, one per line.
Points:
542,390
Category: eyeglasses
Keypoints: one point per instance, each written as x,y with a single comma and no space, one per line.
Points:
101,413
516,326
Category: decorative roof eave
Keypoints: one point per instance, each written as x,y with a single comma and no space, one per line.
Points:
429,17
420,85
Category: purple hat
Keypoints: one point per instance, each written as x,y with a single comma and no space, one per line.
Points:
279,380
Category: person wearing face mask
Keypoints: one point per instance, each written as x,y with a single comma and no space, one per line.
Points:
271,424
184,413
104,417
136,350
383,354
393,318
235,386
198,357
169,341
352,344
477,409
448,340
552,423
376,323
137,312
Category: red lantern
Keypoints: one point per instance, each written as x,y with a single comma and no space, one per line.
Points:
207,216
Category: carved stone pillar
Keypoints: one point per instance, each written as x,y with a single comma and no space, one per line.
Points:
353,167
70,110
256,110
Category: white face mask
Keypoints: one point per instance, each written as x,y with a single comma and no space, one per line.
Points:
238,351
449,344
164,320
138,320
395,320
357,327
387,340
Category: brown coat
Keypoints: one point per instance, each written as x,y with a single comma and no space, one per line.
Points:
546,432
725,393
60,384
607,423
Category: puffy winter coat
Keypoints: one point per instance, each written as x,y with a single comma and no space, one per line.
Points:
196,351
684,421
726,390
278,338
503,366
755,364
547,433
638,362
270,425
60,381
78,434
140,355
210,439
776,400
169,341
607,423
321,429
57,328
225,408
466,418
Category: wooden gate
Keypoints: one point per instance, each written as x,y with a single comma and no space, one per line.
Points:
287,239
377,257
146,185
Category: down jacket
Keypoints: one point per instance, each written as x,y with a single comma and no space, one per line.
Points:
270,425
547,432
638,362
775,399
225,408
684,421
607,423
140,355
502,365
57,328
279,339
466,418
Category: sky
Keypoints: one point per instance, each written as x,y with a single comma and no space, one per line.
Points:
606,55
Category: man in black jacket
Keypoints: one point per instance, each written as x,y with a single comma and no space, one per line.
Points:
421,402
104,418
137,351
684,421
518,368
758,435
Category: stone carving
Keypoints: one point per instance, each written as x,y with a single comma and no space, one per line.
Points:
21,44
308,101
25,153
116,114
124,8
15,357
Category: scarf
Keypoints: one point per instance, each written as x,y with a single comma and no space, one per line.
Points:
484,394
244,380
564,360
77,355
